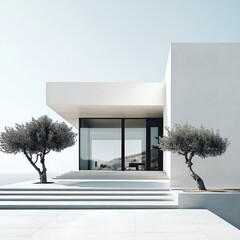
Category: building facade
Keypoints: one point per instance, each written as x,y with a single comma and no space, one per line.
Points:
119,123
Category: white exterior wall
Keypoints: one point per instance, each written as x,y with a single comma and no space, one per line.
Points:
167,115
205,89
224,204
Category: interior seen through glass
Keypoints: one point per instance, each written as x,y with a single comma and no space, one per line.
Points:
135,144
101,144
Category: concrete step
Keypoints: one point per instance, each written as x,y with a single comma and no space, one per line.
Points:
88,205
83,193
114,175
86,189
114,184
85,198
89,194
65,198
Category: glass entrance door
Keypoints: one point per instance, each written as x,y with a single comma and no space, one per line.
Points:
135,144
155,155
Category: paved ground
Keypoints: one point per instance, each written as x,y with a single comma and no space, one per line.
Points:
131,224
114,225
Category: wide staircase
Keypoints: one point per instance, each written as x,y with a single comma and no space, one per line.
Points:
93,190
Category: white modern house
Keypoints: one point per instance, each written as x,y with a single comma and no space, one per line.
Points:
119,125
119,122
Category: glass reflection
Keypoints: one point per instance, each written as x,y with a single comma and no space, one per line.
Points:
135,144
100,144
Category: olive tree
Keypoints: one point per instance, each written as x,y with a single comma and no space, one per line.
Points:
35,139
190,141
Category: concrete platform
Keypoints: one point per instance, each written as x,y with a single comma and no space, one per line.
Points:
114,175
114,225
88,194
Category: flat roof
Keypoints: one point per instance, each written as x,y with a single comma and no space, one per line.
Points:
74,100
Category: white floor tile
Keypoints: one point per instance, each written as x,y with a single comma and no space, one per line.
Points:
171,236
108,224
8,233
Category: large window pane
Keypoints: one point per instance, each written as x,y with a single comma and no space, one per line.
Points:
135,144
100,144
154,150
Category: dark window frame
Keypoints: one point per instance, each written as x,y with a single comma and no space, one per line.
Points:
122,126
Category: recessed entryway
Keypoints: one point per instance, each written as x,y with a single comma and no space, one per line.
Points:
120,144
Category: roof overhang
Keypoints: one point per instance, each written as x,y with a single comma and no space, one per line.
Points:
105,100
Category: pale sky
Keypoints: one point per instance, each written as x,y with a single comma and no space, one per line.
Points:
93,40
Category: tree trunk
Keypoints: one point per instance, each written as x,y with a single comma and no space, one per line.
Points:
43,176
43,173
199,181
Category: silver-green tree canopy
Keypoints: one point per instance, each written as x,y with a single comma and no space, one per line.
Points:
35,139
189,141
